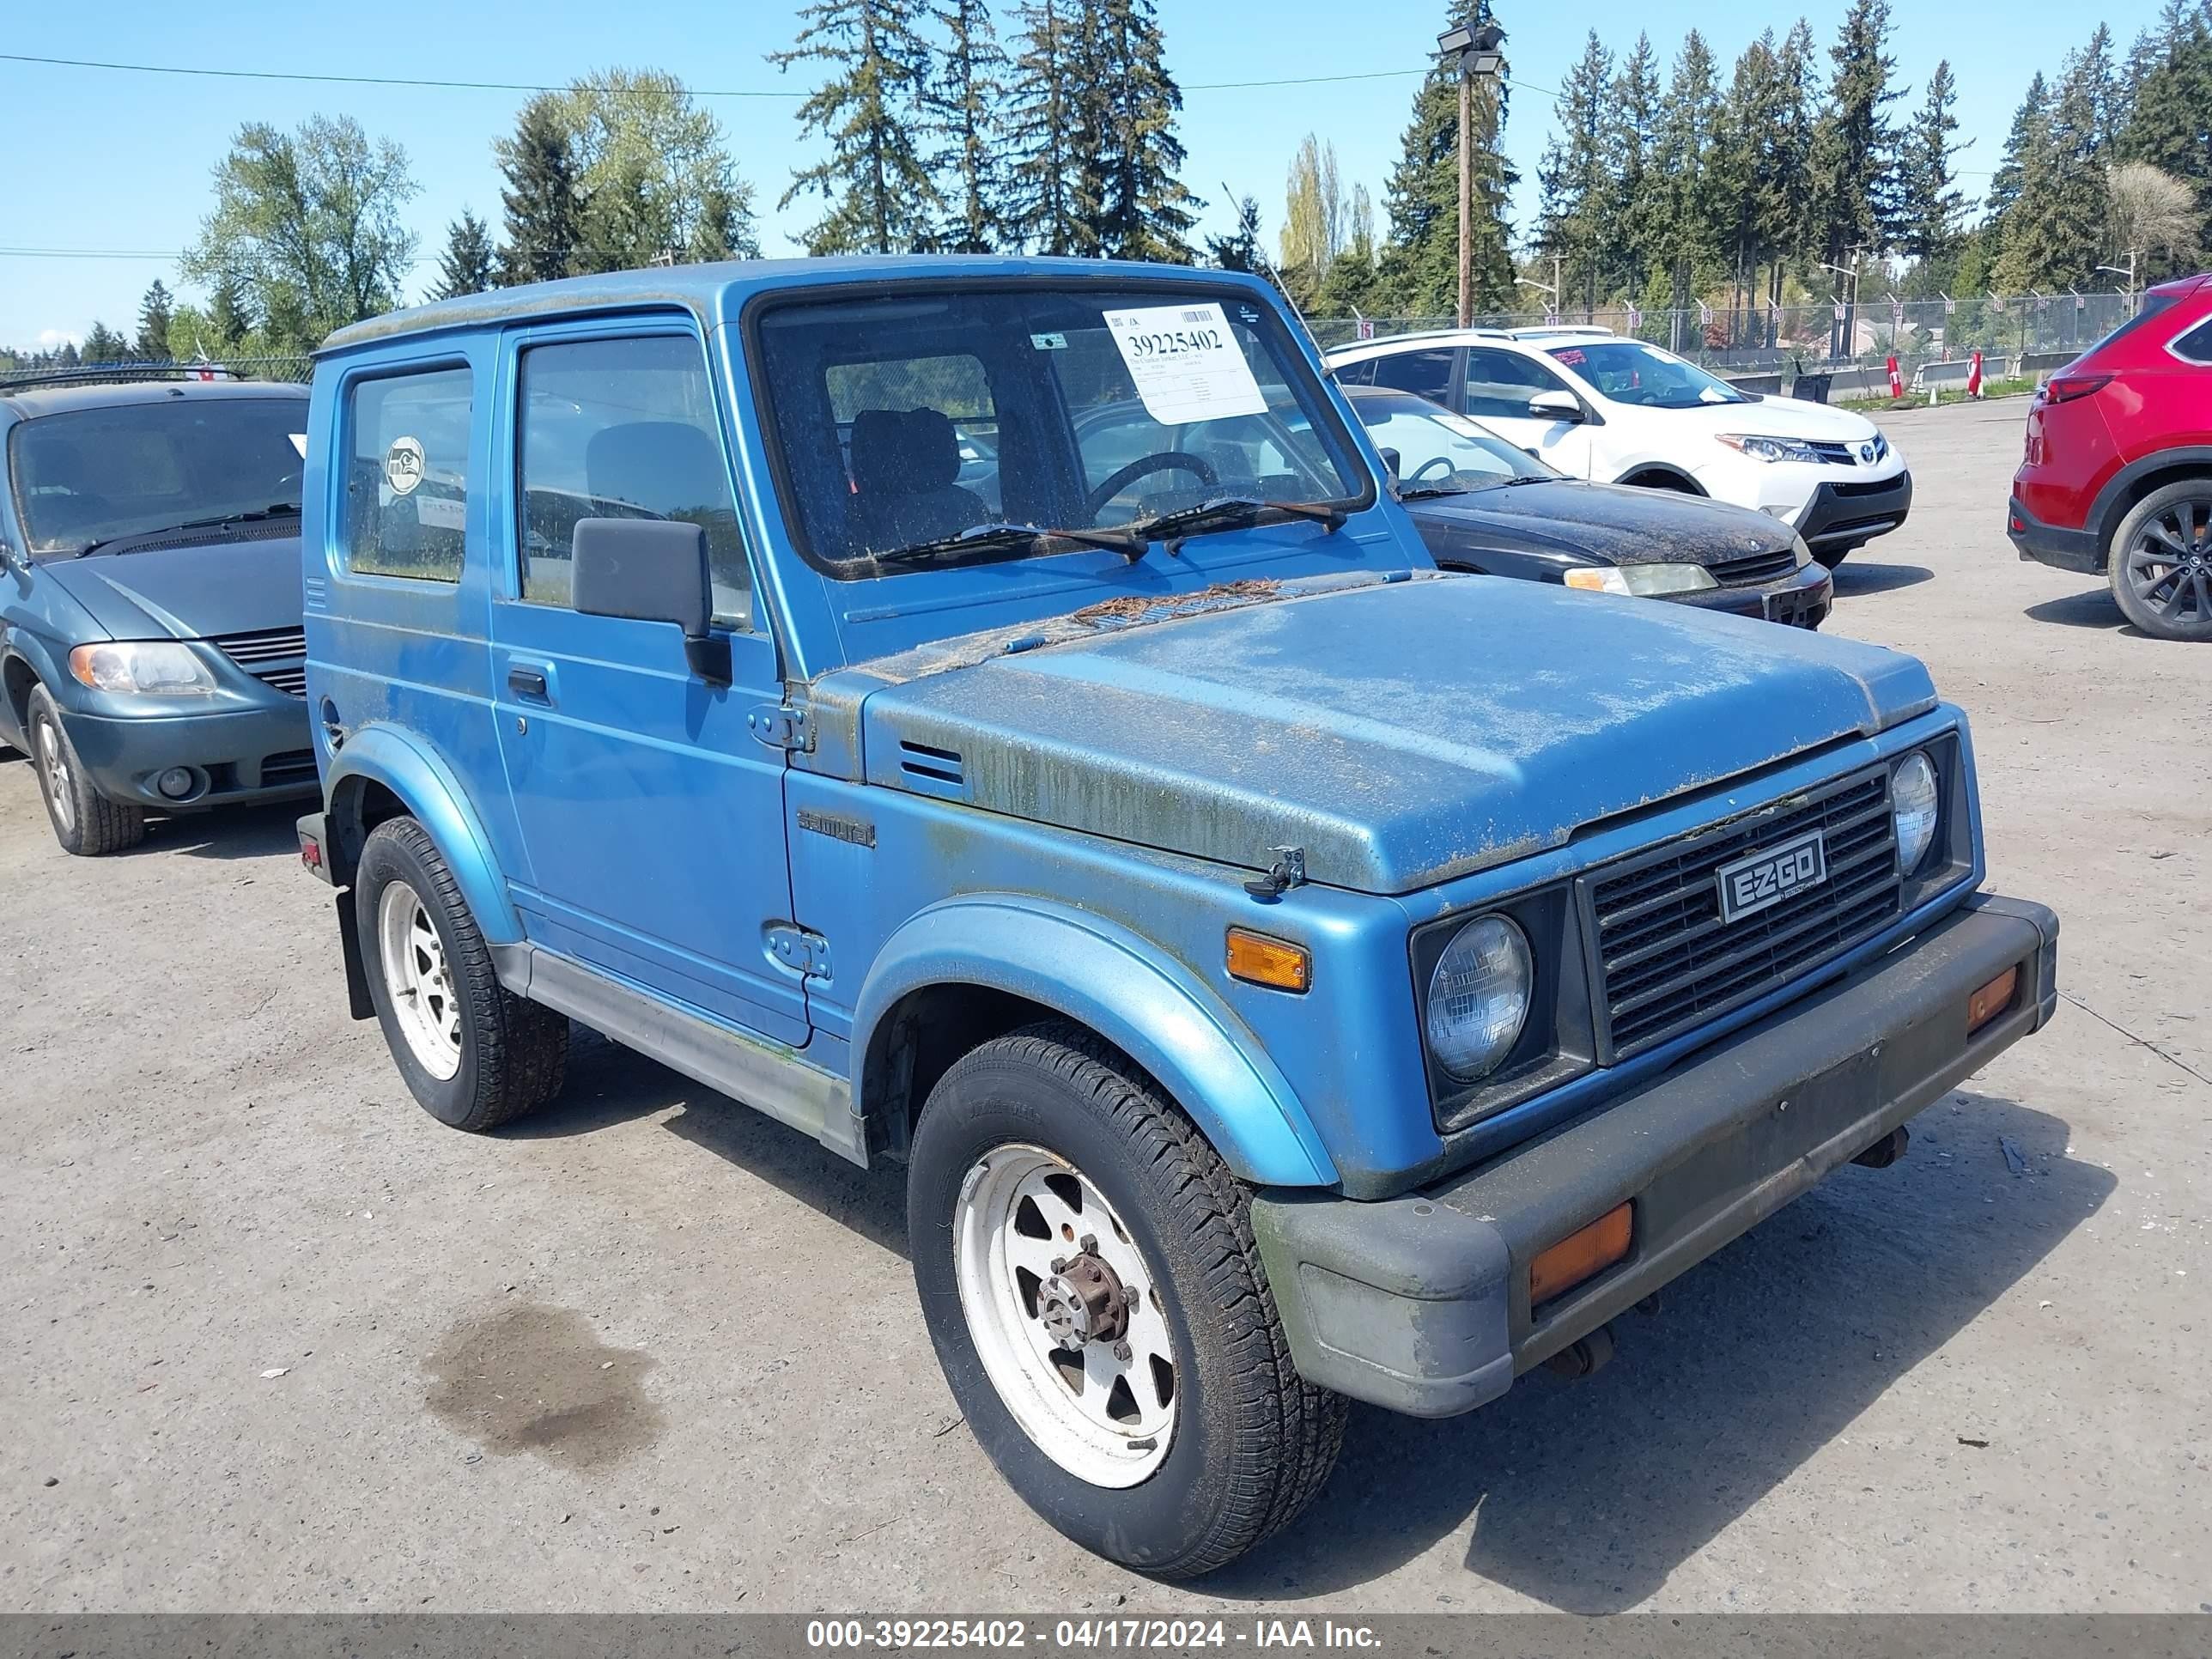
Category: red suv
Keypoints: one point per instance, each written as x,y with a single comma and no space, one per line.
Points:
2118,473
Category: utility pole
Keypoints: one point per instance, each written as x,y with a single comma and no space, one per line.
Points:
2128,272
1474,53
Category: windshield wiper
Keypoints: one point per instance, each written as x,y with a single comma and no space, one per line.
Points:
140,537
1426,492
982,537
1229,512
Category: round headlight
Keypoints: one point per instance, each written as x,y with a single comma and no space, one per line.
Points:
1479,997
1913,805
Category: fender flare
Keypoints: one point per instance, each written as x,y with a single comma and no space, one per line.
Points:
22,646
2110,503
1146,1003
415,772
1691,485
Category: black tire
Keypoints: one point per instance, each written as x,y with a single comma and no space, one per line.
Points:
1253,1441
2168,599
85,822
513,1053
1829,557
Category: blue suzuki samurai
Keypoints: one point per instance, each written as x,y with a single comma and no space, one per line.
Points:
1287,973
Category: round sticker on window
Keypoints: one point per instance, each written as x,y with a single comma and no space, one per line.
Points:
403,465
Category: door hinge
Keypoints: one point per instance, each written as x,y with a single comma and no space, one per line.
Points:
779,726
805,953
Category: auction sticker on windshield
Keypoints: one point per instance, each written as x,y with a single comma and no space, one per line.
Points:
1186,364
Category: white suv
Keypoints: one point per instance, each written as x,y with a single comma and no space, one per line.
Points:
1597,405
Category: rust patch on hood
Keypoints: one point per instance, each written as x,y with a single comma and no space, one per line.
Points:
1157,607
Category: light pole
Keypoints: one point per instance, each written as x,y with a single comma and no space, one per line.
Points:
2128,272
1474,53
1851,274
1550,288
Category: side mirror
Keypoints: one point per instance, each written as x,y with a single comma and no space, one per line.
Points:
651,571
1557,406
1391,459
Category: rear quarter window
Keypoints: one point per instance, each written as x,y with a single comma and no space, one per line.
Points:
2196,346
407,474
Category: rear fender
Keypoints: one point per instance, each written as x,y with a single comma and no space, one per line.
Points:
433,797
1146,1003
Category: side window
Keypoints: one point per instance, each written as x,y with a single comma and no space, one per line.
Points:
2196,346
1423,373
1500,383
1359,374
623,428
407,474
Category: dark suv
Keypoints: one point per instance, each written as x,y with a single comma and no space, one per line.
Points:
150,649
2118,478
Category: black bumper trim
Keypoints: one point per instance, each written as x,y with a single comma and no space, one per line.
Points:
1419,1303
2038,542
1834,516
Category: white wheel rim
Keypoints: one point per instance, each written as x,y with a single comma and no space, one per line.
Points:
1105,1419
60,790
419,979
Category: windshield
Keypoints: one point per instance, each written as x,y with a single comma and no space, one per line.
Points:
94,475
1438,452
903,418
1631,372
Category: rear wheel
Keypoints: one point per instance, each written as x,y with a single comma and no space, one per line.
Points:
473,1054
85,822
2161,562
1086,1266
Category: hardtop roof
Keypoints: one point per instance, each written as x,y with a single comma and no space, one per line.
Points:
31,402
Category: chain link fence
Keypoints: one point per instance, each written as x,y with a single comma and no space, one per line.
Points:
289,371
2019,335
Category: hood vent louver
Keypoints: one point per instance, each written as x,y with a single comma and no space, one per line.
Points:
932,770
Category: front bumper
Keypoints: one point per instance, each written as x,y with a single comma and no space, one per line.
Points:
2049,544
1849,513
1800,600
1420,1303
236,756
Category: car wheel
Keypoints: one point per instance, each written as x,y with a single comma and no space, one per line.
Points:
2160,566
1086,1267
1829,557
85,822
473,1054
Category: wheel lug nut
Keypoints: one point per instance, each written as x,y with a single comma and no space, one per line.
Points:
1122,1352
1088,1243
1060,1264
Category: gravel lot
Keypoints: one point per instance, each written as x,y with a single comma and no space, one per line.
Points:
275,1340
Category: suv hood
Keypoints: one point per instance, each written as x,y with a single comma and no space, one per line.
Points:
1613,522
1773,418
1402,732
193,593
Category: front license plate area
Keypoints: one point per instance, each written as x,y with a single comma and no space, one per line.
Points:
1764,878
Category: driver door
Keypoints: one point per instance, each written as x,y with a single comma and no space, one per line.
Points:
1497,386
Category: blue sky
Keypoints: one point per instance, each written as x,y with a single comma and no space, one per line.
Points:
101,160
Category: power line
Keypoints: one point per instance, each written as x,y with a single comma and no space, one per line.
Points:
525,86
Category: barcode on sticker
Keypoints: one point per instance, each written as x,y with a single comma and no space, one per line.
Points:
1206,316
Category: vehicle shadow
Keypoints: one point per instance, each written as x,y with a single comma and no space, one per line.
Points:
608,1084
1587,1496
2093,607
235,832
1854,576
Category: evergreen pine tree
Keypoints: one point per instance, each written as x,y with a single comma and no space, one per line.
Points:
155,311
2029,124
103,344
1791,232
965,100
1629,134
229,318
469,264
1039,128
1929,201
1851,163
1571,222
1746,163
872,112
1420,264
2169,117
1240,249
1688,238
2052,232
1135,206
543,202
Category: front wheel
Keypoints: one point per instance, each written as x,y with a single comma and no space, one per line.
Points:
475,1054
85,822
2161,563
1829,557
1086,1266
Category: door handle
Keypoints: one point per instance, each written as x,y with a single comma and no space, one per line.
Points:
527,682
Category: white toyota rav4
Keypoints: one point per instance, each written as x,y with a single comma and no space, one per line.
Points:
1597,405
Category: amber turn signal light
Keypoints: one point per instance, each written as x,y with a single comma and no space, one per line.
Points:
1258,960
1992,1000
1580,1255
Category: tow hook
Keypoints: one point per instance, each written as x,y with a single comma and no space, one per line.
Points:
1887,1150
1585,1355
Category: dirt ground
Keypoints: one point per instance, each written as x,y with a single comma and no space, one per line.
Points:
273,1340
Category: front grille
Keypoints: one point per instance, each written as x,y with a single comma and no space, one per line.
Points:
1756,567
275,656
1834,454
293,766
1668,962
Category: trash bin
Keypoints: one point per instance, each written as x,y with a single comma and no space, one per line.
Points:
1812,388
